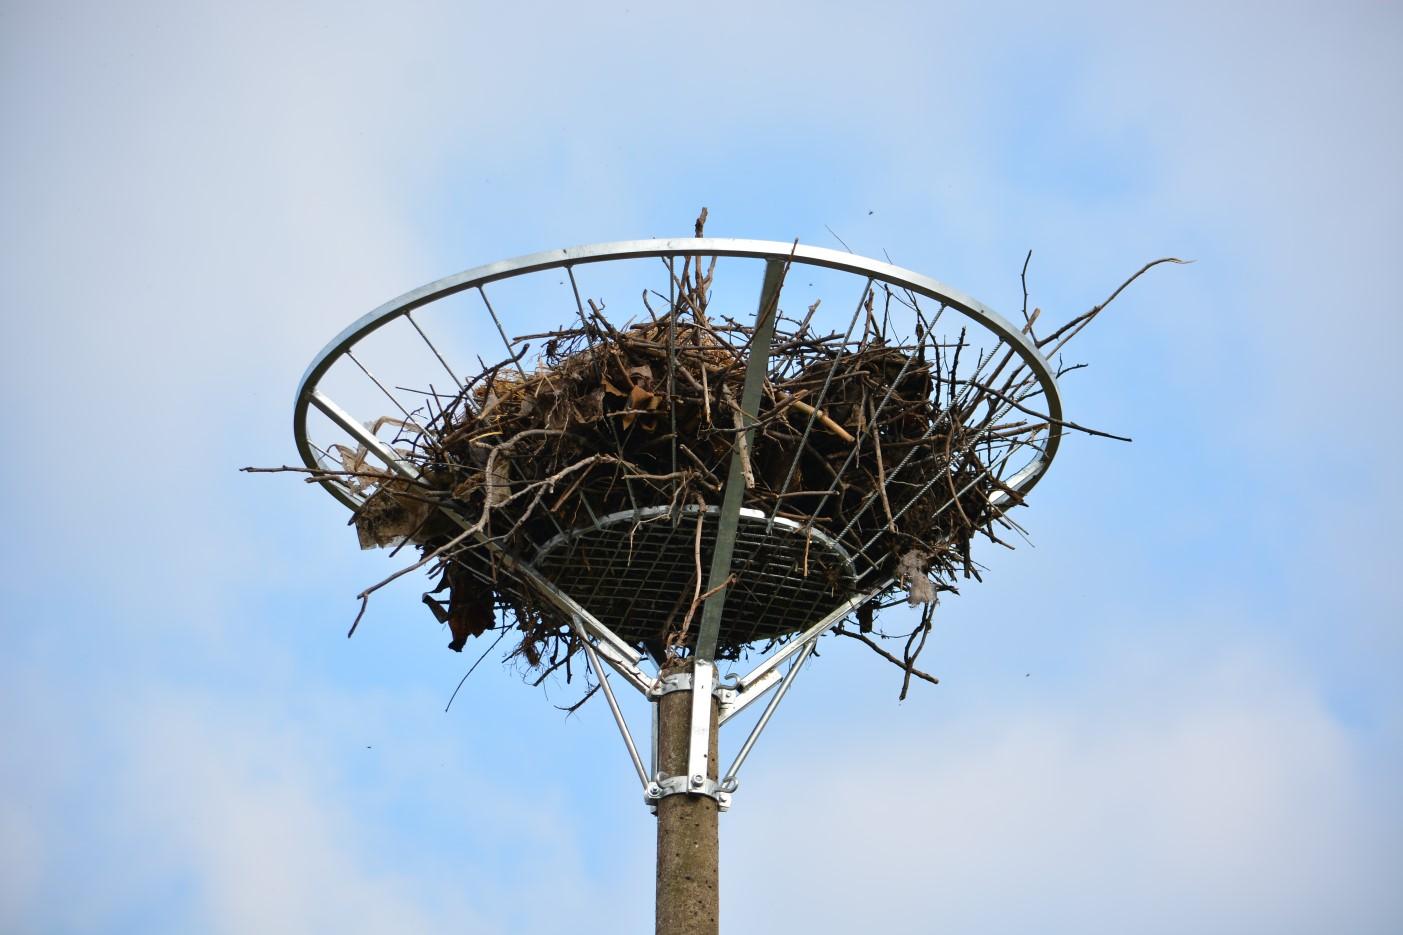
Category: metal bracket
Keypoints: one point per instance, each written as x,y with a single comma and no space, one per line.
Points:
699,737
736,700
701,682
667,684
663,786
682,682
726,700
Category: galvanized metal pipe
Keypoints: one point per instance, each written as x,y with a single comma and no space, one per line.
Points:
603,678
730,777
756,366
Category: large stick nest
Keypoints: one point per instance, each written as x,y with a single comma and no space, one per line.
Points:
896,448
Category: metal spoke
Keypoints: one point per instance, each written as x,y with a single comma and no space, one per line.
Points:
498,322
388,395
457,382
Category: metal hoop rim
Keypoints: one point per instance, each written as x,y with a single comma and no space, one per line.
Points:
886,273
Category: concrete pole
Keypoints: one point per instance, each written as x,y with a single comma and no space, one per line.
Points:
688,899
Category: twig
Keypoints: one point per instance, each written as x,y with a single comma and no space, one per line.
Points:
1071,328
472,668
862,638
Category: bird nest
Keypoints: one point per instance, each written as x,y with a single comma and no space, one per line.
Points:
871,464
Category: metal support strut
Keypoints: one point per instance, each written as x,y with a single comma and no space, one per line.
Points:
703,685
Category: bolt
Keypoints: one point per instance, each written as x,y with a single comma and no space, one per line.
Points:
697,780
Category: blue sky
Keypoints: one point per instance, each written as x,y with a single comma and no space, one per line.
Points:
1180,710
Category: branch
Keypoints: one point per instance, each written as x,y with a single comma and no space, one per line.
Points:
1071,328
887,656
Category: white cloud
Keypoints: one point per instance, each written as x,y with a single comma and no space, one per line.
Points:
177,810
258,819
1224,800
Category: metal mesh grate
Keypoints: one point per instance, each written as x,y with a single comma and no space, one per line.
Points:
636,571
